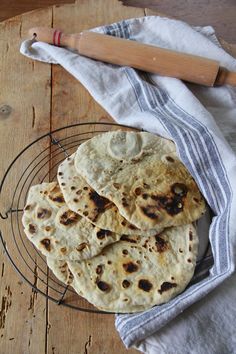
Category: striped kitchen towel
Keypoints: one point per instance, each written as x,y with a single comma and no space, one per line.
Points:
202,123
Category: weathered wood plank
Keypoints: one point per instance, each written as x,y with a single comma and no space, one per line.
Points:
25,92
9,8
71,103
217,13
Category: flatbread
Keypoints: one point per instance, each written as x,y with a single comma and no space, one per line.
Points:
142,175
83,199
138,272
59,232
60,270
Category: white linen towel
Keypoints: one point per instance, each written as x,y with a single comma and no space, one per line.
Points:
199,120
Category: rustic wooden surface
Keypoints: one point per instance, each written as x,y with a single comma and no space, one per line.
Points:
219,13
35,98
22,118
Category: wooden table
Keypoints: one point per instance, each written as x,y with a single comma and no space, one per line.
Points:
218,13
36,98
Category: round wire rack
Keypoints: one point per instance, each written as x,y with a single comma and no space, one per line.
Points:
37,163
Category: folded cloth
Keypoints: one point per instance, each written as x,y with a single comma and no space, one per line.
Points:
201,121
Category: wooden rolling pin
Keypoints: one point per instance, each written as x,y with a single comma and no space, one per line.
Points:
140,56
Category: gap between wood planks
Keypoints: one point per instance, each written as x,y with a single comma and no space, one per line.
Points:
47,324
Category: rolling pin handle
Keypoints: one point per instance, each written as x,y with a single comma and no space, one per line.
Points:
57,38
48,35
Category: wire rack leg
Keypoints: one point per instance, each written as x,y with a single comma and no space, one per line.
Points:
62,296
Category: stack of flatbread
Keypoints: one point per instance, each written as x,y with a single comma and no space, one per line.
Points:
118,223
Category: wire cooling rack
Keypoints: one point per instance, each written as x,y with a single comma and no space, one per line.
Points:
37,163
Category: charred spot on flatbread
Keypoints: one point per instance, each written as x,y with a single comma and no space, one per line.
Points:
56,196
32,229
166,286
63,250
145,285
43,213
170,159
127,239
101,234
99,269
70,277
150,211
132,227
46,244
100,202
190,235
125,283
161,244
124,202
179,189
103,286
130,267
172,203
82,246
138,191
69,217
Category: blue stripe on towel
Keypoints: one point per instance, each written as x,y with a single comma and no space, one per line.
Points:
200,155
120,29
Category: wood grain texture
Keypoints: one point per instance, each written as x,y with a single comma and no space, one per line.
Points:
11,8
35,98
23,116
220,14
46,98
